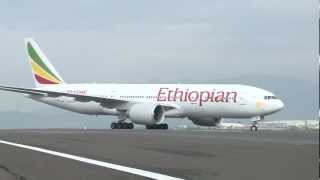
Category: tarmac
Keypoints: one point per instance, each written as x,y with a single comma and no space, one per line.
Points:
186,154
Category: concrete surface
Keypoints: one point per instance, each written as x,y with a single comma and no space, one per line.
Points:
216,154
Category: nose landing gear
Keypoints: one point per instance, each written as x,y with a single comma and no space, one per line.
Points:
254,126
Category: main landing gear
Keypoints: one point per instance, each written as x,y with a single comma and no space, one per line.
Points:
157,126
121,125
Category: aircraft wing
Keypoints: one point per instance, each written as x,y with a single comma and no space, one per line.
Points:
105,102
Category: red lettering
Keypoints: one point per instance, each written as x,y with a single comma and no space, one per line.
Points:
220,97
166,94
178,95
186,95
204,97
161,98
169,95
193,96
233,96
212,96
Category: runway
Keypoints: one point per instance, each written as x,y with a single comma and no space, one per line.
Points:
185,154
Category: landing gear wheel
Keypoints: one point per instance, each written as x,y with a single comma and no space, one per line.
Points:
118,126
130,126
122,125
113,125
157,126
255,128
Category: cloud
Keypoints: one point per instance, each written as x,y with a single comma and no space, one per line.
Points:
189,27
113,41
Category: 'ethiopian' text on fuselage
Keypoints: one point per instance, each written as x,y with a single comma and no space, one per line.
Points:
199,97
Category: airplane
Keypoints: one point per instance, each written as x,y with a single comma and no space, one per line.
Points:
146,104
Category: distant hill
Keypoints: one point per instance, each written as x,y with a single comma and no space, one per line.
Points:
49,119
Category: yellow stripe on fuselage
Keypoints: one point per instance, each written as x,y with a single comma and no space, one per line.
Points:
39,71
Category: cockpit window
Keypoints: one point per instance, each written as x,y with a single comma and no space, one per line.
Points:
270,97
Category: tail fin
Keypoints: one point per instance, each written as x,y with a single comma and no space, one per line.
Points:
43,71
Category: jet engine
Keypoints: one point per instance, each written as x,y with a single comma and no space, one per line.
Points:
206,121
147,114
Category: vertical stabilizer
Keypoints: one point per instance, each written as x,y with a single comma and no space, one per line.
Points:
42,70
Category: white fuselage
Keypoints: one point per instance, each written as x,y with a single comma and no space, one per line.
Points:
189,100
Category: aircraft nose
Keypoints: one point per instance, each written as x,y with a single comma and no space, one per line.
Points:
274,106
280,105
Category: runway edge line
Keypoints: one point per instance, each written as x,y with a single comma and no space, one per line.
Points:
130,170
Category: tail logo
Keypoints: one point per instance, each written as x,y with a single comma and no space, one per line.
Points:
41,71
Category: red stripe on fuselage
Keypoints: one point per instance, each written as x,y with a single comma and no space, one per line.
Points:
42,80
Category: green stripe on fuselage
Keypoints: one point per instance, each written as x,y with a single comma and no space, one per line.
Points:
35,57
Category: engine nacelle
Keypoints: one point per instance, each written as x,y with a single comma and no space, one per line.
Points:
206,121
146,114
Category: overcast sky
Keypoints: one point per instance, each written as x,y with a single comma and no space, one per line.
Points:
145,41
